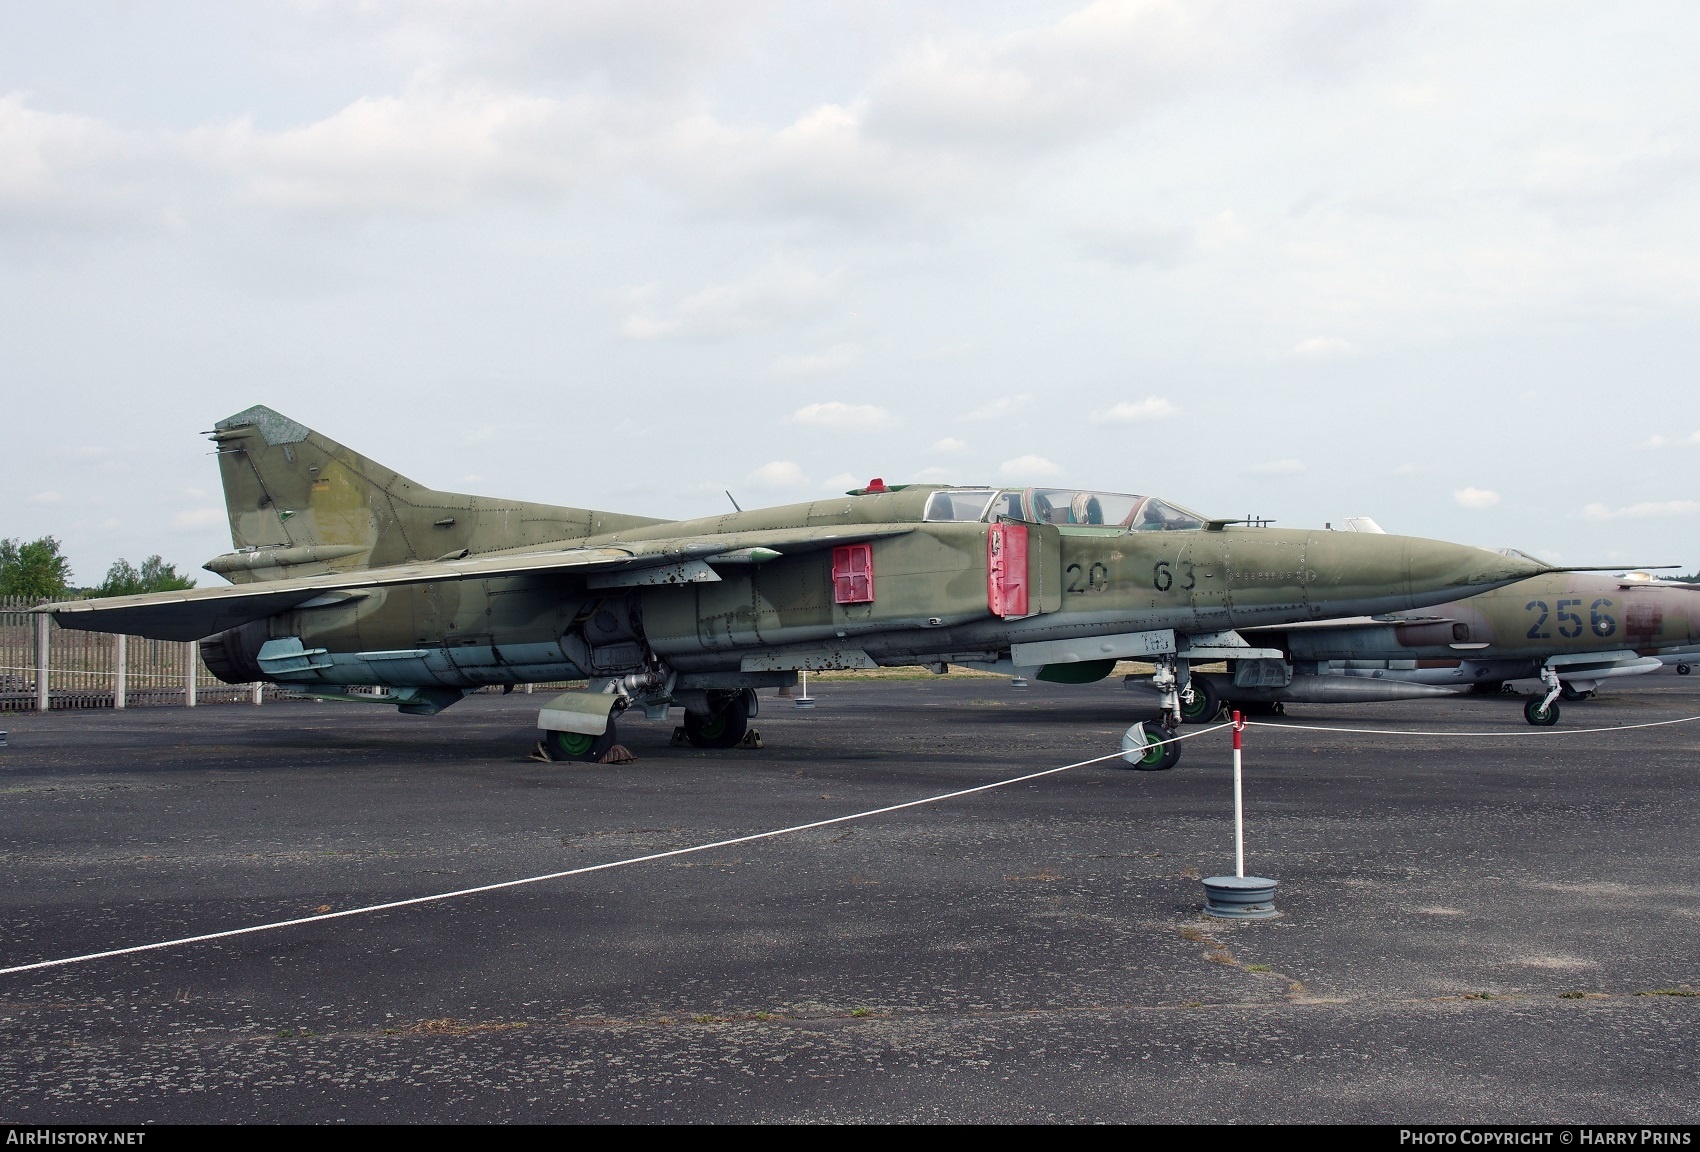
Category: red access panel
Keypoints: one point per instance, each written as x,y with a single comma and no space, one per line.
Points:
853,574
1006,570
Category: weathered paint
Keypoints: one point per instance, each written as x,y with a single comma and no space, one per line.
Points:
519,607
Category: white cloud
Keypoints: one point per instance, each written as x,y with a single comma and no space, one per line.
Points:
194,519
1002,406
1476,497
1321,347
837,414
1287,467
1134,411
843,482
1642,511
1028,468
933,475
782,289
48,497
1662,441
778,474
1136,247
949,444
823,363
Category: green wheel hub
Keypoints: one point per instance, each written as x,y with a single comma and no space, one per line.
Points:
1154,752
570,743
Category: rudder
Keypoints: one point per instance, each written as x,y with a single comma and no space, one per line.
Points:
301,504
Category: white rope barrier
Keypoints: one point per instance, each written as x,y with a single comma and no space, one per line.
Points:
1509,733
755,836
499,886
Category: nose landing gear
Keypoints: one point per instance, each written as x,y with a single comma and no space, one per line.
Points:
1151,747
1543,713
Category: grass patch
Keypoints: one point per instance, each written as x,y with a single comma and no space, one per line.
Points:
1669,992
448,1026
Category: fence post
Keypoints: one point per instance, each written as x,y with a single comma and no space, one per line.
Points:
120,679
259,690
42,700
191,658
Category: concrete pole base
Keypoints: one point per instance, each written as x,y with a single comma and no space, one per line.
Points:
1240,897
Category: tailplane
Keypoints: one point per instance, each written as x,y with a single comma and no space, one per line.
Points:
301,504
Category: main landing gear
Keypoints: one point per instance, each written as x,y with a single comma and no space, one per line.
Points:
581,748
1151,747
1543,713
725,723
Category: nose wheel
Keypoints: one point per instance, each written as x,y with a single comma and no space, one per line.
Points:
1150,747
1543,713
1201,703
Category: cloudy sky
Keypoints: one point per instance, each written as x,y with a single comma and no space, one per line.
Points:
1435,263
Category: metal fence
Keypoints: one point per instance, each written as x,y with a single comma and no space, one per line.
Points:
44,666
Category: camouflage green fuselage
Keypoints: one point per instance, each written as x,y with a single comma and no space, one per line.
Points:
930,599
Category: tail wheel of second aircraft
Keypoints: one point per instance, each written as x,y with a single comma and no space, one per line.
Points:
1541,714
1149,747
721,730
1569,693
579,747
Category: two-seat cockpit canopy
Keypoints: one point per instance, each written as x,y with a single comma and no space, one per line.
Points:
1061,506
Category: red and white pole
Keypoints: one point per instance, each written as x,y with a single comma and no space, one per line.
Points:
1239,806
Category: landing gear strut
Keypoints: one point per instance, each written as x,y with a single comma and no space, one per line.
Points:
1150,746
1543,713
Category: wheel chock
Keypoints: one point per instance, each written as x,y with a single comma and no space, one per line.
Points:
752,739
618,754
541,754
679,740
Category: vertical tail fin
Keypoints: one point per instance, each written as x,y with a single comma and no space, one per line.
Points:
300,504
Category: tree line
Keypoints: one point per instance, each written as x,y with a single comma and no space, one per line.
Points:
39,570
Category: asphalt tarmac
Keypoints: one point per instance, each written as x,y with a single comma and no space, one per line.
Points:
1500,929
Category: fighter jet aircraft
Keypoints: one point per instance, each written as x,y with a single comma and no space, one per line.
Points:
346,573
1572,630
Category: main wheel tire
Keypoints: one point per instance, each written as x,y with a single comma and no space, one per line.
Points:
1566,692
1541,714
579,747
1206,703
1487,687
1144,748
722,730
1682,669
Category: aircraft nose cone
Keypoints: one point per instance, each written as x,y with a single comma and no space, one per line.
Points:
1457,570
